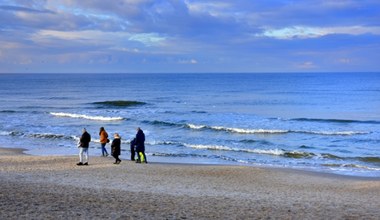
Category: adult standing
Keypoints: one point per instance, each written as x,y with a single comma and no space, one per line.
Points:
115,148
140,146
103,141
84,143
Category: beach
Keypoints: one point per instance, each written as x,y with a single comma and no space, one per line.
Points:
53,187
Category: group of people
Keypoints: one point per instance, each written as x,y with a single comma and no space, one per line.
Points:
137,146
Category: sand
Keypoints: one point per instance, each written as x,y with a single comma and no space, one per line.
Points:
53,187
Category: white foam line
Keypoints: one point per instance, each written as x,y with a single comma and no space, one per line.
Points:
96,118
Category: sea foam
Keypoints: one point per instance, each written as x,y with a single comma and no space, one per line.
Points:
95,118
277,152
237,130
272,131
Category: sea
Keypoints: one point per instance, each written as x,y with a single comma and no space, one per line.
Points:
322,122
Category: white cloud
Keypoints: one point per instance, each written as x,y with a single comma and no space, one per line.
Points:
97,37
306,65
208,7
302,32
191,61
148,39
344,60
292,32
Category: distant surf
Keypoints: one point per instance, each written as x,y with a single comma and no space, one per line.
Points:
253,131
95,118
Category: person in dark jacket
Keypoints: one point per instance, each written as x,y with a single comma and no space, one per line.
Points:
133,149
140,146
84,144
115,148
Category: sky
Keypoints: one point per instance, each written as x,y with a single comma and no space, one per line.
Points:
189,36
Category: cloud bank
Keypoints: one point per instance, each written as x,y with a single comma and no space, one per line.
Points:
189,36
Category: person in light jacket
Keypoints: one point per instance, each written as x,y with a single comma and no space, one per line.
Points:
103,141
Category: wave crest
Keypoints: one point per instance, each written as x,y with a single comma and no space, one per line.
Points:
237,130
272,131
51,136
254,131
277,152
95,118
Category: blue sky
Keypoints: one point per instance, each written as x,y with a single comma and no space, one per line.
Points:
189,36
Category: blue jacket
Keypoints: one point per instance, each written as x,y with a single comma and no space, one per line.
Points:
140,139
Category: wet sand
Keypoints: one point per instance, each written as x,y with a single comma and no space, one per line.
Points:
53,187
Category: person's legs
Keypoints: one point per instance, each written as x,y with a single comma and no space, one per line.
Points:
80,156
104,150
143,154
138,157
117,159
85,152
133,153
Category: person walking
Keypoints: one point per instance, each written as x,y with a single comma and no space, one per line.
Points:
115,148
140,146
84,144
103,141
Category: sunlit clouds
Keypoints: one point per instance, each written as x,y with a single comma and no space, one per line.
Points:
189,36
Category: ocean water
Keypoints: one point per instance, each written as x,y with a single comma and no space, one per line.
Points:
325,122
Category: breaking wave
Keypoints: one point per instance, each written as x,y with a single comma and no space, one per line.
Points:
95,118
237,130
52,136
276,152
252,131
11,133
197,156
38,135
351,166
271,131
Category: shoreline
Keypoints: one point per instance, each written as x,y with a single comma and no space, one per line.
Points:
284,169
41,187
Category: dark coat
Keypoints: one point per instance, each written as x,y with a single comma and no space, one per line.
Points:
85,140
140,139
115,147
133,144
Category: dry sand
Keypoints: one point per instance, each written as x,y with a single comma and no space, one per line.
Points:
53,187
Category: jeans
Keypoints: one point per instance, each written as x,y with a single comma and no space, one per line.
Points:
83,154
104,150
